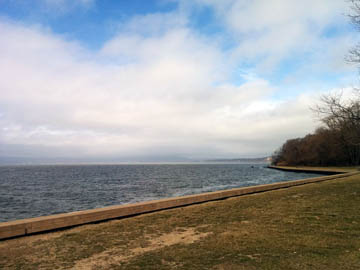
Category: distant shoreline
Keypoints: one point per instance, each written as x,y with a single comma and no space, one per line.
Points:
225,161
9,161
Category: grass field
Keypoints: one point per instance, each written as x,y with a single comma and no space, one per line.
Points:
315,226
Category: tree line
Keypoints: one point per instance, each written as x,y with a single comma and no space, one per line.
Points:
336,143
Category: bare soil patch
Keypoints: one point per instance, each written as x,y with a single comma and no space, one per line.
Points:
116,256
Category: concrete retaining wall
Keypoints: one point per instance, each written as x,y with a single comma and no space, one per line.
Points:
327,171
47,223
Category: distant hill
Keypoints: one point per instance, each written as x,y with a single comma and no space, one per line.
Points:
250,160
4,160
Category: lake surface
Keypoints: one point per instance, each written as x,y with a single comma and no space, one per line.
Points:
31,191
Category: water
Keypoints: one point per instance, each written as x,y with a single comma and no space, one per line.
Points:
31,191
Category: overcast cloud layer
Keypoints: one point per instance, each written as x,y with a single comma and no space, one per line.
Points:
165,86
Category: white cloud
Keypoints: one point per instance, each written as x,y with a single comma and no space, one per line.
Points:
157,87
269,32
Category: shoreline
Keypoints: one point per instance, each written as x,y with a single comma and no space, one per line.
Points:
314,226
307,169
31,226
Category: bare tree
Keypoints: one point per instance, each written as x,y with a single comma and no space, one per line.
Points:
334,111
343,116
340,115
354,53
338,141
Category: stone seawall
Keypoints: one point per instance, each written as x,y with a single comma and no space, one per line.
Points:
320,170
47,223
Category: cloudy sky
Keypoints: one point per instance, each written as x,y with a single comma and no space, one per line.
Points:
123,80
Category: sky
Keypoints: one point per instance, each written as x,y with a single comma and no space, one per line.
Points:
129,80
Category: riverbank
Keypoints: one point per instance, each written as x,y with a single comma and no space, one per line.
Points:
24,227
321,170
37,191
314,226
